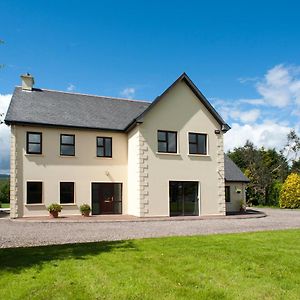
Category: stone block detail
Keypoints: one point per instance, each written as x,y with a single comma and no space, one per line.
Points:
13,174
143,188
221,175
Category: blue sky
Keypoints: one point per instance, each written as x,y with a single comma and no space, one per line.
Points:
243,55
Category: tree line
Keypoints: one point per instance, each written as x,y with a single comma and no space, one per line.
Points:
268,170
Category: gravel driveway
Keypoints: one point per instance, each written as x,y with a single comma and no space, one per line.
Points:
20,234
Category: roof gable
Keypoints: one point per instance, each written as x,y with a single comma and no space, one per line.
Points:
184,77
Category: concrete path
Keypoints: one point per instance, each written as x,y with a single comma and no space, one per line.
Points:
23,234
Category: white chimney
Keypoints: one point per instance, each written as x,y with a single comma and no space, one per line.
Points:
27,82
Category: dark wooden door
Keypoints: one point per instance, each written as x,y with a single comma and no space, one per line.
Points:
106,198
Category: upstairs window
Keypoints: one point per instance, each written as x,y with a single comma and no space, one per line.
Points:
104,147
67,192
67,144
34,192
198,143
34,143
167,141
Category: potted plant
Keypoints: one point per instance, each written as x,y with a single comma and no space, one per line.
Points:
54,209
242,206
85,210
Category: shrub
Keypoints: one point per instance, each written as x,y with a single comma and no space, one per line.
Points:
85,208
4,193
54,207
290,192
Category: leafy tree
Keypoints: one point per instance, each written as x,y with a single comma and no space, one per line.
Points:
263,168
4,193
290,192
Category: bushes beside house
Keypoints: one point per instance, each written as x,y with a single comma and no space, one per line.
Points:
290,192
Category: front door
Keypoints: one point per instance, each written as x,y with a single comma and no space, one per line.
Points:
184,198
106,198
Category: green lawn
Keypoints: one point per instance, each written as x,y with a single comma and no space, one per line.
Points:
263,265
4,205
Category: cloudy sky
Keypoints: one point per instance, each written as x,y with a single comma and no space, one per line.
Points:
245,58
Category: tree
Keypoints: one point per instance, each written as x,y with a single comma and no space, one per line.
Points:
292,148
290,192
4,193
264,168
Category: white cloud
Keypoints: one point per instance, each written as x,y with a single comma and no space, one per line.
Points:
71,87
280,86
128,92
4,136
246,116
253,101
268,134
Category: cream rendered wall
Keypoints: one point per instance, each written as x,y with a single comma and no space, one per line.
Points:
51,168
180,110
235,198
133,172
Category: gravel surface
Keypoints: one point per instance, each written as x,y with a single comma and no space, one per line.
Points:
23,234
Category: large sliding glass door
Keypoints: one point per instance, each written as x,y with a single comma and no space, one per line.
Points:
184,198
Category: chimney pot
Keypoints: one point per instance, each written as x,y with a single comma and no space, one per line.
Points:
27,82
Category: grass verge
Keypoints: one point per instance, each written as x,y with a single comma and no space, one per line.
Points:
262,265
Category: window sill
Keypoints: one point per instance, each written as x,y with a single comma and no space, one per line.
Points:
67,156
68,204
35,204
168,153
102,157
34,154
199,155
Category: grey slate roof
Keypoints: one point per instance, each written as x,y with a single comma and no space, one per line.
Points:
232,171
72,110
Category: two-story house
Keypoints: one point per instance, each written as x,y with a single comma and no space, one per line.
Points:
120,156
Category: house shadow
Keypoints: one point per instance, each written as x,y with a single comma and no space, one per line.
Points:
16,260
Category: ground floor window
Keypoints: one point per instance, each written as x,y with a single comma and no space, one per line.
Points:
34,192
67,192
227,193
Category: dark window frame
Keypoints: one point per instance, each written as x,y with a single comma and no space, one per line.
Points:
34,143
227,199
60,192
197,144
167,141
67,144
27,194
104,146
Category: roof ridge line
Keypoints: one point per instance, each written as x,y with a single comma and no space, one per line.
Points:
92,95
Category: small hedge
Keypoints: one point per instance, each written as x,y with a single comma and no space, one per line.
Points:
290,192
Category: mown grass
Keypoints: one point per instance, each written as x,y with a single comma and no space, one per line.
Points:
262,265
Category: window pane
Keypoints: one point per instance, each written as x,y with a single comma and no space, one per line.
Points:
99,141
34,148
193,149
162,147
34,138
67,139
108,147
34,192
202,144
227,193
192,138
172,147
162,136
100,151
67,150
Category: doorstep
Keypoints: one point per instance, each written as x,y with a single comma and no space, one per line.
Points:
249,214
